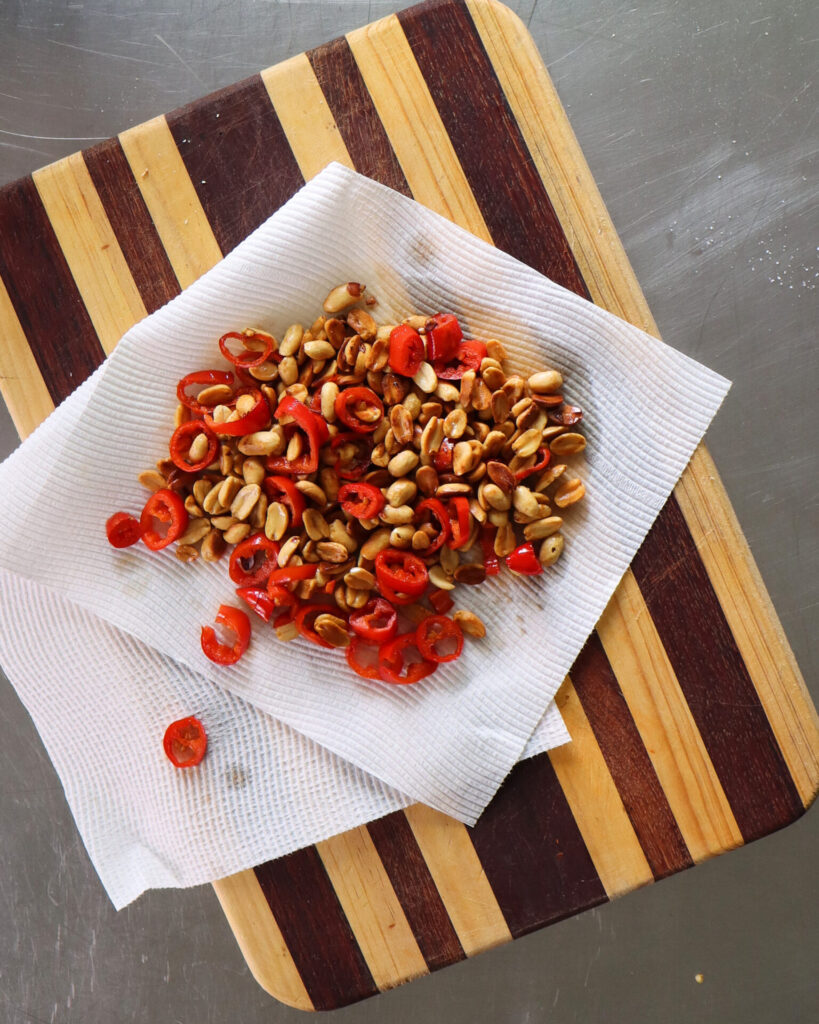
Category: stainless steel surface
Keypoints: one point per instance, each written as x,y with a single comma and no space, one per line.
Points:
698,121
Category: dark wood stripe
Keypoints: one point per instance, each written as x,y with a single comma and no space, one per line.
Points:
416,891
487,140
315,929
713,678
238,158
132,224
532,851
43,293
627,759
355,114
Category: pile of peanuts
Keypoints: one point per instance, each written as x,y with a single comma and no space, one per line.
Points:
477,436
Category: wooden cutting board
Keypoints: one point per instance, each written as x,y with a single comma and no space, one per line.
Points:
692,730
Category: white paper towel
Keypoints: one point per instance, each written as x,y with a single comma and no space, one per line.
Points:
450,740
102,700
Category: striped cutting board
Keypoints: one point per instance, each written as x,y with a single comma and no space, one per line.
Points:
693,732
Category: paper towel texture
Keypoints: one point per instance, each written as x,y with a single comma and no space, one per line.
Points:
102,700
450,740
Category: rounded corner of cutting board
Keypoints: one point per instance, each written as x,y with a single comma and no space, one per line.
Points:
260,941
812,794
261,975
504,16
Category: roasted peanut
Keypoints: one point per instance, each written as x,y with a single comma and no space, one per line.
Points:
401,536
471,573
342,296
401,424
401,492
505,540
567,444
551,549
470,624
548,476
420,540
332,630
455,423
181,415
152,479
492,496
403,463
500,474
318,350
245,501
362,324
339,533
397,515
447,392
315,524
451,489
199,449
465,457
376,542
427,479
215,394
291,342
569,493
449,560
432,436
228,490
360,579
426,378
500,406
542,528
277,521
467,388
193,510
439,579
223,522
237,533
546,381
213,546
197,530
493,377
263,442
495,350
527,443
524,501
253,471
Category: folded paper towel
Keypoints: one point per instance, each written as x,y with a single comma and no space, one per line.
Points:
450,740
101,702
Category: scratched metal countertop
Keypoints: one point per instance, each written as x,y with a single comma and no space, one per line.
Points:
698,121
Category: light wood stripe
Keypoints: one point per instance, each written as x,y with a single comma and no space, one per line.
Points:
171,199
305,116
412,122
90,247
372,908
595,803
460,879
752,619
21,383
613,285
666,725
260,939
